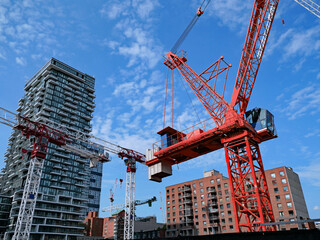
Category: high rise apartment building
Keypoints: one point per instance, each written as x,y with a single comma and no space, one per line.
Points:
69,189
204,206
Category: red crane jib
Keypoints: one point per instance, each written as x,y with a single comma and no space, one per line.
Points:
43,135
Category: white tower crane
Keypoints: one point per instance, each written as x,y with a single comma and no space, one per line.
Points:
73,140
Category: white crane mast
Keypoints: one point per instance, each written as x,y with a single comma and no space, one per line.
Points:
311,6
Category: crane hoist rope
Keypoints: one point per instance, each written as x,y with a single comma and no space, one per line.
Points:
185,33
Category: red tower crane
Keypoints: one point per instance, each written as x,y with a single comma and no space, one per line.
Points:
237,131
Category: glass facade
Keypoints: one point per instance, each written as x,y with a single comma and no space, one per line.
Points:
69,189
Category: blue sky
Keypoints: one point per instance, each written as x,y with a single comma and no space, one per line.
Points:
121,43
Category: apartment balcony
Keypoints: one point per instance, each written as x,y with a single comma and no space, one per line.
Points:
73,86
213,210
47,108
65,120
212,196
70,105
90,89
67,88
213,217
188,213
187,201
68,94
87,117
212,190
63,114
186,189
92,95
187,195
77,97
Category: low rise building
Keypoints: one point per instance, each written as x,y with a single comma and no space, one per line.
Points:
204,206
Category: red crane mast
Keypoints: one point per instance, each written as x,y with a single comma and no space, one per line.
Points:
239,136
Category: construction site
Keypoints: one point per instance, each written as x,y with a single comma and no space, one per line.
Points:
153,148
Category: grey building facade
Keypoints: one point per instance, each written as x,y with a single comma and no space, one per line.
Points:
69,189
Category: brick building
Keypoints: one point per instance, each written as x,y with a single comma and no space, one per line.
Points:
94,224
204,206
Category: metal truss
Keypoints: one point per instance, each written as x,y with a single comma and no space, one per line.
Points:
311,6
29,199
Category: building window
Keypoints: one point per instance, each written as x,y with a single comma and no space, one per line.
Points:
168,214
174,208
168,220
205,230
223,220
203,209
229,213
179,189
226,192
173,202
202,196
218,180
227,199
194,185
230,220
228,205
278,197
219,187
281,214
196,210
283,180
167,190
220,200
168,203
204,223
274,182
279,206
201,190
276,190
287,196
196,217
202,203
168,208
273,175
221,206
180,206
222,214
289,204
168,196
225,185
281,173
172,195
212,181
203,216
172,190
174,220
290,212
201,184
195,204
285,188
231,227
174,214
194,192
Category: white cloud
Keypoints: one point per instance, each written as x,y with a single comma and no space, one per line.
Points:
305,101
296,42
231,13
310,172
21,61
316,208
